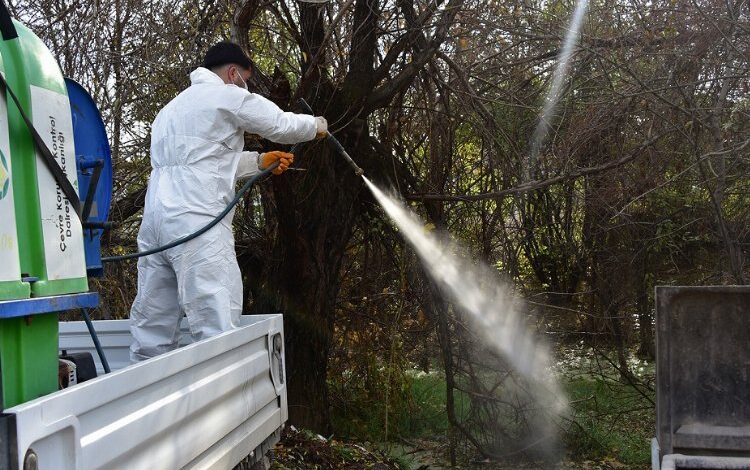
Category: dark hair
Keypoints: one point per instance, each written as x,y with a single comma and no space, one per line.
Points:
226,52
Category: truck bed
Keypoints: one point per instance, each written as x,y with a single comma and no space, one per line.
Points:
205,405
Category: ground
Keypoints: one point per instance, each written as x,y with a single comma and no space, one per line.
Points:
610,424
306,450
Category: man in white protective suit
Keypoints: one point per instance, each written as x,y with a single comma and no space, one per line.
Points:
196,157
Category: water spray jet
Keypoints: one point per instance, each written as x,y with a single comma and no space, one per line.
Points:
556,90
494,312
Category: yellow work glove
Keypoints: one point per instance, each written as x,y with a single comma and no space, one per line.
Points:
267,159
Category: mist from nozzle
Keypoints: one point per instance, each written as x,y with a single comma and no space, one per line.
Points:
555,91
495,314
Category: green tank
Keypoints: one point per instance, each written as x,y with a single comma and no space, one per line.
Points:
49,233
11,286
41,240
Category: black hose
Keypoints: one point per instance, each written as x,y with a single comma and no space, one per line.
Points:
204,229
95,339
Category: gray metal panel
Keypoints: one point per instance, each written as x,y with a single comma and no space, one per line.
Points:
702,436
703,369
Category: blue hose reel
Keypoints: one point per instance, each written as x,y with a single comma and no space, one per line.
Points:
94,162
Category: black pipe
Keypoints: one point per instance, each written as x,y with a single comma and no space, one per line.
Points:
95,338
98,166
101,225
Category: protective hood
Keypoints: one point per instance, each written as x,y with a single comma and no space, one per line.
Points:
202,75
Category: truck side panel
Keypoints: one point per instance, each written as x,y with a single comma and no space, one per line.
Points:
206,405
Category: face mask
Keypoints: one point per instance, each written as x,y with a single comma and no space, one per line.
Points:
242,83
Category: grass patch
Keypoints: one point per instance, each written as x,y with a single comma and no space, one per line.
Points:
416,411
610,420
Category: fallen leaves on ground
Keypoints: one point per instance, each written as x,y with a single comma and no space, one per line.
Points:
306,450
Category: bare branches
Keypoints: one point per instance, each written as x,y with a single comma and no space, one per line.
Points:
382,95
540,184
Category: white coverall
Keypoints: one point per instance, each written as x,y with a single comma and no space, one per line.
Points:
196,158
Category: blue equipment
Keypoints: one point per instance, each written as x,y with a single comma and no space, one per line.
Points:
94,161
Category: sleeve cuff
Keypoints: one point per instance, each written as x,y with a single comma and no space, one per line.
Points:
249,165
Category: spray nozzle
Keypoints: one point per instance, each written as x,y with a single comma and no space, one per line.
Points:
334,141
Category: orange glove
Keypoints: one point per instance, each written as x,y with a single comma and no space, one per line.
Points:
268,158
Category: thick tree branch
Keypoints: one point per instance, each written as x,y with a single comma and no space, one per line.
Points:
244,14
243,17
382,96
359,78
364,41
312,65
413,35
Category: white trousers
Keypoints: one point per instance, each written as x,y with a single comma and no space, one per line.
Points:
200,279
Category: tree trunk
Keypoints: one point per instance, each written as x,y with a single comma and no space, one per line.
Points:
314,212
647,349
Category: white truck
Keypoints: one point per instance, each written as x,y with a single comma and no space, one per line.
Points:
211,404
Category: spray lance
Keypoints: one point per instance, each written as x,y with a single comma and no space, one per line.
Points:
244,189
334,141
